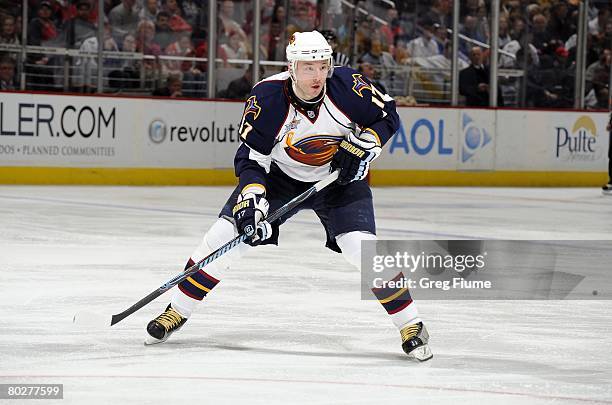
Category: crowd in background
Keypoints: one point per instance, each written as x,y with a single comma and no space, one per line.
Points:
404,46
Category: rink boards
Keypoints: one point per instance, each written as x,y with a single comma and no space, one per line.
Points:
69,139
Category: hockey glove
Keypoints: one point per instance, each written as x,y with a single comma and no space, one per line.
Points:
250,213
354,156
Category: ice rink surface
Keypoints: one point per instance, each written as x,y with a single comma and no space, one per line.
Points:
286,324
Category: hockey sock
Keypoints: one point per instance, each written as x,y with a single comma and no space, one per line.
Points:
199,284
398,303
191,291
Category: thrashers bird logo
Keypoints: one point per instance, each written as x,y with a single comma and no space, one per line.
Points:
359,85
315,150
252,107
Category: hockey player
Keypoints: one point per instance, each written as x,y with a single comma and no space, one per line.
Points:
296,127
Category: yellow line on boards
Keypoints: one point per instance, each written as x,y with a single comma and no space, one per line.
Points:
218,177
117,176
484,179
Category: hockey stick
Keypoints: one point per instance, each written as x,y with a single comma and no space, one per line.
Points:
89,318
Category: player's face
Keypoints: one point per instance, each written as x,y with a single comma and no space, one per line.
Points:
310,78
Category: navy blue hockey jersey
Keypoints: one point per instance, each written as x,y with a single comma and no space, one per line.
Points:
302,142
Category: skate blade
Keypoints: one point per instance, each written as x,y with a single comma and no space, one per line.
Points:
150,340
421,353
606,192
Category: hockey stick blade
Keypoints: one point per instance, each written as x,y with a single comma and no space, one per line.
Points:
223,249
91,320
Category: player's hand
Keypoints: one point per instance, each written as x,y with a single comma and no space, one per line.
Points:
354,156
250,213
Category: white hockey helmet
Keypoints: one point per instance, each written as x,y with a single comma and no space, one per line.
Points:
308,46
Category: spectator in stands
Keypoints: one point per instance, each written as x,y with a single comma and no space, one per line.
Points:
375,55
367,69
86,67
363,33
504,31
606,37
164,35
145,43
603,38
602,64
540,35
19,26
601,91
127,76
512,9
441,37
471,30
301,19
560,25
514,47
235,48
181,47
66,10
239,89
441,13
42,31
79,28
8,34
474,81
192,79
598,80
511,86
176,21
390,31
424,45
533,9
339,59
470,7
201,51
277,34
190,9
128,44
173,88
149,11
7,73
124,17
145,39
401,55
551,85
518,30
228,24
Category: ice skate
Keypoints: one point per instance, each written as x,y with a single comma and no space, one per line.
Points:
607,189
414,341
160,328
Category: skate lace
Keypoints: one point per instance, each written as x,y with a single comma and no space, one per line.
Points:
169,319
410,331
